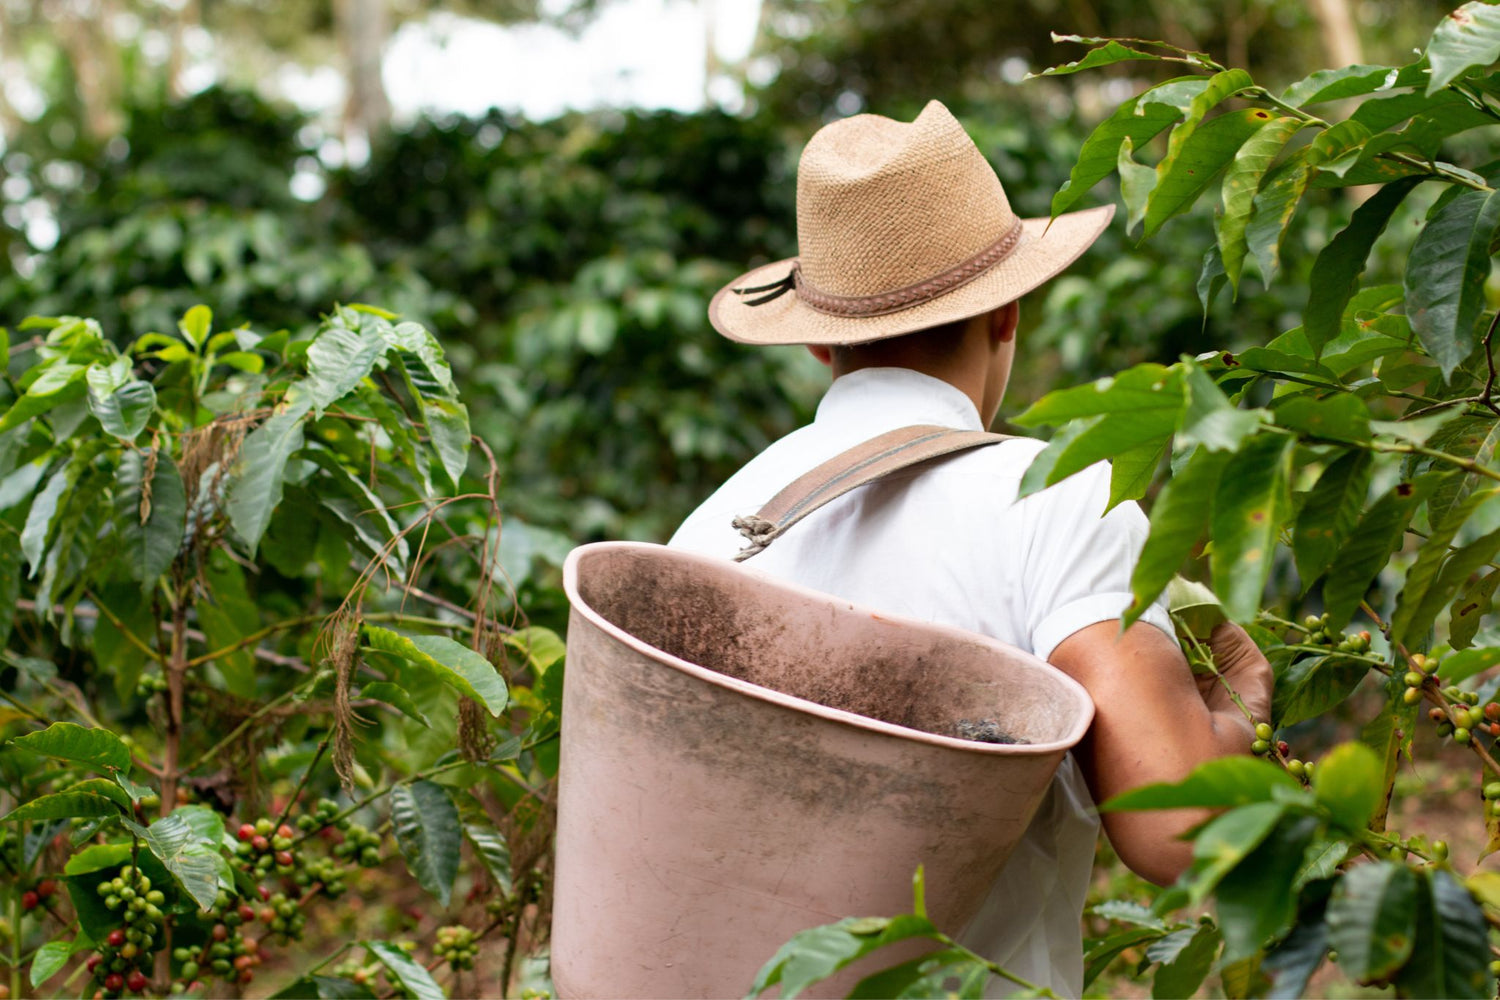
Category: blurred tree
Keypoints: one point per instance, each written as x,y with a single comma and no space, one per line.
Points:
825,58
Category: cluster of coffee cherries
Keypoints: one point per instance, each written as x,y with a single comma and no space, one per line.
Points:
263,847
38,894
1262,747
352,841
456,944
121,962
1319,634
227,954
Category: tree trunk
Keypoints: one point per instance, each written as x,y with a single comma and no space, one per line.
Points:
1340,36
362,27
188,16
95,68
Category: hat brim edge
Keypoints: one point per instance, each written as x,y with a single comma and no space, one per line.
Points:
1048,247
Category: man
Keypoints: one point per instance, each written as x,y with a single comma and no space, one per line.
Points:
911,267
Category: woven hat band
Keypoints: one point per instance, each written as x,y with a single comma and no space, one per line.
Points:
912,295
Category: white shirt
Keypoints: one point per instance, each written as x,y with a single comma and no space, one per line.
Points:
952,544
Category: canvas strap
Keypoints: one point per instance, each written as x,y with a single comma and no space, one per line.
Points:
864,463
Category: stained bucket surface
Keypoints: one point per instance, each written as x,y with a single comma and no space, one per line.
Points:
744,758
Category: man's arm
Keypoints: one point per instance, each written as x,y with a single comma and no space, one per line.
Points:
1153,722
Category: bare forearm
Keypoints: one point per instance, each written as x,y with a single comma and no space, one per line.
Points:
1151,725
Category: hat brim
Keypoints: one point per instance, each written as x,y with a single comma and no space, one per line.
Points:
1046,248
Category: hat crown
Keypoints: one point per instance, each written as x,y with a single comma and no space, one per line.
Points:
883,205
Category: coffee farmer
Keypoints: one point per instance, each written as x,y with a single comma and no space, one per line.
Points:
907,286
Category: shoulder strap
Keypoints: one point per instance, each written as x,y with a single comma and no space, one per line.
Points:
864,463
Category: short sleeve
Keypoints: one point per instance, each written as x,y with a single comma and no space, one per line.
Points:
1080,560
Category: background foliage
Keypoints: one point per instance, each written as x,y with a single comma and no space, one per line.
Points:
565,267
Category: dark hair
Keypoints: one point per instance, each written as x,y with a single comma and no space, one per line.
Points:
936,342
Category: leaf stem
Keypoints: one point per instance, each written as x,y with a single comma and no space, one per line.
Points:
311,767
15,923
1416,449
1279,104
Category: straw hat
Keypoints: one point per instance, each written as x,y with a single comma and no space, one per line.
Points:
901,227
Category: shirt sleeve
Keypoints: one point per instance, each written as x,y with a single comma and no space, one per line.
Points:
1080,560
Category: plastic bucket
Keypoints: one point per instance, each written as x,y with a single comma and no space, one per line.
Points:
743,758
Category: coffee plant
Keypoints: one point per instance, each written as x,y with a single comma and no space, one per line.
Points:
1349,462
258,642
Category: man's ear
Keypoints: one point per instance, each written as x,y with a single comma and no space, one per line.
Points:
822,352
1003,321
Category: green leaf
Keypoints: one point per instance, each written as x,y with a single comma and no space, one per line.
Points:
1195,157
1336,271
494,853
1222,783
1105,55
261,469
1226,840
1103,952
58,384
1148,398
1136,184
195,325
1181,974
1139,119
62,805
1343,417
429,835
1426,592
1474,601
1467,37
123,411
1451,955
1445,276
542,647
819,952
1246,520
104,787
1367,548
1321,860
416,980
1283,187
1143,388
1349,782
1293,961
1255,901
448,427
149,544
1210,419
1372,919
339,359
1211,279
324,988
1131,472
900,980
48,961
1313,685
1241,181
461,668
1351,81
1178,519
185,845
42,514
1458,667
397,697
97,747
1130,913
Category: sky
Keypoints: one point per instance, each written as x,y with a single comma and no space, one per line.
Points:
640,53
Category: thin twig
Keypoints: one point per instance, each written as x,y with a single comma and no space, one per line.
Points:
1489,360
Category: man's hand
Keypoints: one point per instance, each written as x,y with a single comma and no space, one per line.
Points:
1245,669
1155,722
